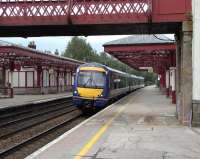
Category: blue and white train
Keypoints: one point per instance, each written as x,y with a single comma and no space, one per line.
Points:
96,84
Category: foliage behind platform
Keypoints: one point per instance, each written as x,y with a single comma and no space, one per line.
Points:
79,49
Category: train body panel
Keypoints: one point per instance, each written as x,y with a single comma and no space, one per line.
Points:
117,92
96,84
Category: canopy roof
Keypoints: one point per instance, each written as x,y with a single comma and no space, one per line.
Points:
139,51
10,52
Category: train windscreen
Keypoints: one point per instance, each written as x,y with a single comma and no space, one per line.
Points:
91,79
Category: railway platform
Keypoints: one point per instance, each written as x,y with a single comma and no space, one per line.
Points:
20,100
141,125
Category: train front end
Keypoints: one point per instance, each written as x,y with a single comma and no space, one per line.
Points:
90,89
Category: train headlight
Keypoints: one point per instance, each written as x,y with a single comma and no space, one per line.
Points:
75,92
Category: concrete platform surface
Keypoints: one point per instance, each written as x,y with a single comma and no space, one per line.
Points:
29,99
140,126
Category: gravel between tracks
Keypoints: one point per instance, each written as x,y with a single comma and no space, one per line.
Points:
23,135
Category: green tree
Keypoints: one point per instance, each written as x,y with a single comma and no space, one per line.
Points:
79,49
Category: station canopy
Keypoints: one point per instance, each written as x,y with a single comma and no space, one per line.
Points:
144,51
14,56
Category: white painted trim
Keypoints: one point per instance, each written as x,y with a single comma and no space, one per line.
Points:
167,79
173,78
196,49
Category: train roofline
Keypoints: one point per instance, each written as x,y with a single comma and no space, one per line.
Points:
94,64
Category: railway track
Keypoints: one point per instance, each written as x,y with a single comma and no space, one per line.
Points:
33,126
31,123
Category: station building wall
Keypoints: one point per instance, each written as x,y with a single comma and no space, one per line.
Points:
25,80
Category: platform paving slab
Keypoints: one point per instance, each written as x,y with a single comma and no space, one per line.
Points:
19,100
140,126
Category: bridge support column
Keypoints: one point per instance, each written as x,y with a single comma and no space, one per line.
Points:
184,68
196,63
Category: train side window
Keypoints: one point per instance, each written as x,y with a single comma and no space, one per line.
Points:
115,85
117,82
110,81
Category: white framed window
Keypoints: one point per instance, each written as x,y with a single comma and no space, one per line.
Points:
45,78
30,80
22,79
15,79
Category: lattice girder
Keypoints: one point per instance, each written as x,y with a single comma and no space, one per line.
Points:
49,12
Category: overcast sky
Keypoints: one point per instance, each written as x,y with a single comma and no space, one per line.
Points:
60,43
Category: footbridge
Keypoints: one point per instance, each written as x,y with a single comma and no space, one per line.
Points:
91,17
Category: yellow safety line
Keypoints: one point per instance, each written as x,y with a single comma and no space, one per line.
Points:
86,148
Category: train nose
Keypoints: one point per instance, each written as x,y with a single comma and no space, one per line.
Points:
90,92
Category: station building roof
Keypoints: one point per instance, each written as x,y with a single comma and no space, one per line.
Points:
21,54
142,39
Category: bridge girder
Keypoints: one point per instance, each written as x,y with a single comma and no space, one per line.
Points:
91,17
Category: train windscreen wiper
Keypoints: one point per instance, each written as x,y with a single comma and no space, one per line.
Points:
94,82
90,79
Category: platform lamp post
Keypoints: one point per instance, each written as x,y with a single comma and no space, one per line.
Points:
196,62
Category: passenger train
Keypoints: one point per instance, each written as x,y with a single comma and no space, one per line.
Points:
96,84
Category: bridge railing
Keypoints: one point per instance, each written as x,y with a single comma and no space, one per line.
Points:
74,11
96,7
29,8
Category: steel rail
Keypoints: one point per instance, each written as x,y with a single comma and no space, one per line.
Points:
18,110
25,124
14,148
31,114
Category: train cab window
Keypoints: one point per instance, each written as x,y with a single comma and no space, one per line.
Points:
91,79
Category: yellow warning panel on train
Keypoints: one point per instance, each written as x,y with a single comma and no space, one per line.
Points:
89,92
